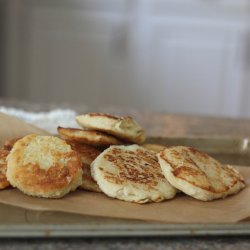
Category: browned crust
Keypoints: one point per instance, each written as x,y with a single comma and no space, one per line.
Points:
41,181
54,181
3,168
88,182
195,175
140,166
3,154
8,144
86,152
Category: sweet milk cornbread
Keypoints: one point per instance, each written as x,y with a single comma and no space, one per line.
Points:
44,166
197,174
125,128
131,173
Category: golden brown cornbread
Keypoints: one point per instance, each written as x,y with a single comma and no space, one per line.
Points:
4,152
125,128
3,168
131,173
88,155
44,166
90,137
199,175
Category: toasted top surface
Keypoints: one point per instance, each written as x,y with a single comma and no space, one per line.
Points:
44,166
125,128
199,169
88,182
134,164
44,151
90,137
131,173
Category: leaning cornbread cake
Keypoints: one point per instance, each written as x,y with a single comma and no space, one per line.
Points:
131,173
88,154
199,175
125,128
44,166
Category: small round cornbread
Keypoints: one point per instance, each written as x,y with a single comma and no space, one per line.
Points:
131,173
125,128
199,175
3,168
88,154
44,166
90,137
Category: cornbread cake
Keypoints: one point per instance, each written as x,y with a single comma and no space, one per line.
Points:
44,166
88,154
131,173
3,168
199,175
125,128
4,152
90,137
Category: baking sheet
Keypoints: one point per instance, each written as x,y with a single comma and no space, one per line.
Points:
20,222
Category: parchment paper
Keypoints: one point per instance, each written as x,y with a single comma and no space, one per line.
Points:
11,127
181,209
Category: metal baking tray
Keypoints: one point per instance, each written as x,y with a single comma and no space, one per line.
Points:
18,222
